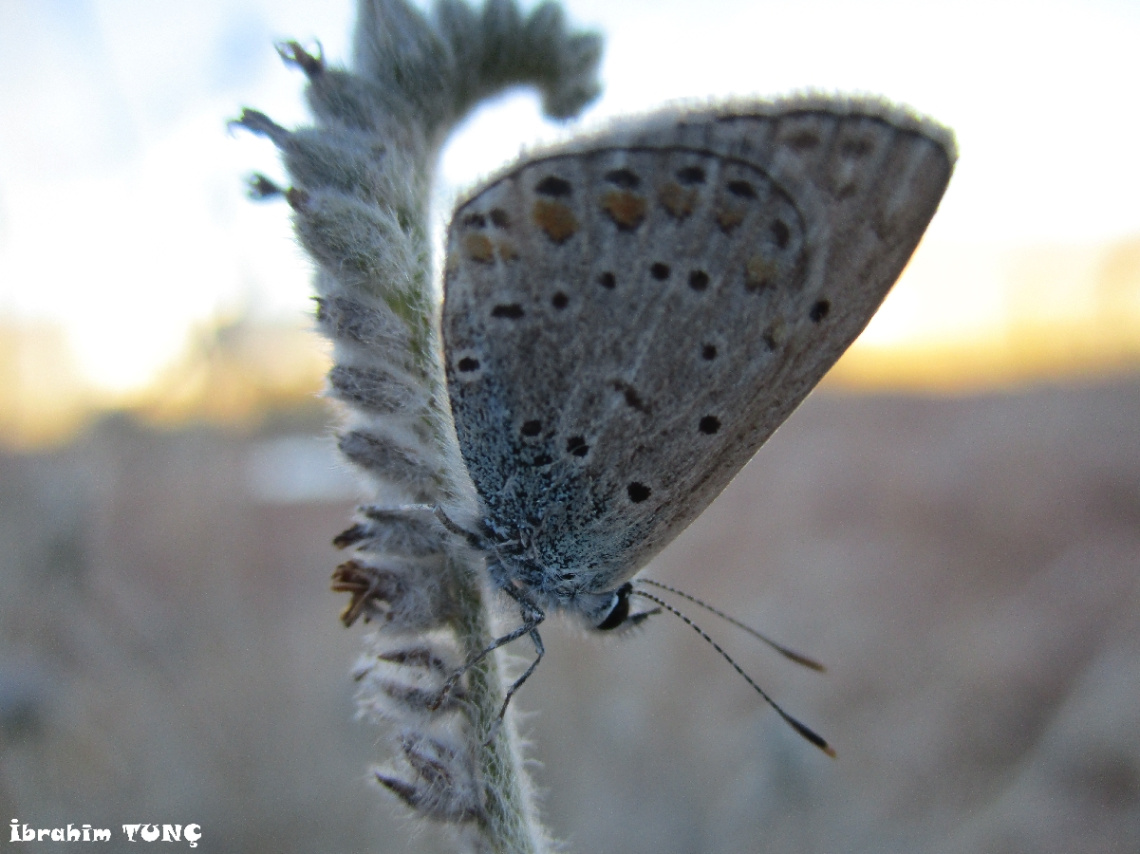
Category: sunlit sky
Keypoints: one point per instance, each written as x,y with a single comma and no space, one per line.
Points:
122,210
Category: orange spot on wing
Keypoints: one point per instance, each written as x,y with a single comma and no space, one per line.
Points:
679,201
729,218
478,248
555,219
626,209
759,273
776,335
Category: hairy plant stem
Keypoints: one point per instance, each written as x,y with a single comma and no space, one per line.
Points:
360,181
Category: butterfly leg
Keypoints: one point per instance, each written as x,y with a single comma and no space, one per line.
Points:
473,539
532,616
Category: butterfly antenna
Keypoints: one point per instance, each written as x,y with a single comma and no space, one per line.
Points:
805,731
797,657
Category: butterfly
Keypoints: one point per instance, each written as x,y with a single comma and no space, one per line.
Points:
628,317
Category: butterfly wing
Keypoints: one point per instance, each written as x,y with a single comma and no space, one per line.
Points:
628,319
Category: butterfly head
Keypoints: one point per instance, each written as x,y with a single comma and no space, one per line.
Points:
602,611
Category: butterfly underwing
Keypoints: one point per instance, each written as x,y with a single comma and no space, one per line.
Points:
627,318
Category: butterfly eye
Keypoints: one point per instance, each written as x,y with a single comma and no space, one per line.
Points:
619,610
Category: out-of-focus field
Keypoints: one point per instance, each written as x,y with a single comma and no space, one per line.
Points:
968,568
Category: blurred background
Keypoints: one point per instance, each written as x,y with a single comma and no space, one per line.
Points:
951,522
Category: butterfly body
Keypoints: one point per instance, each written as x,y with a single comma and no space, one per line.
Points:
627,319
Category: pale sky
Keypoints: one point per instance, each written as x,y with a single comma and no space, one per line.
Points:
122,208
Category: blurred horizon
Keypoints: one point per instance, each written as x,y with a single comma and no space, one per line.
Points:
239,369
